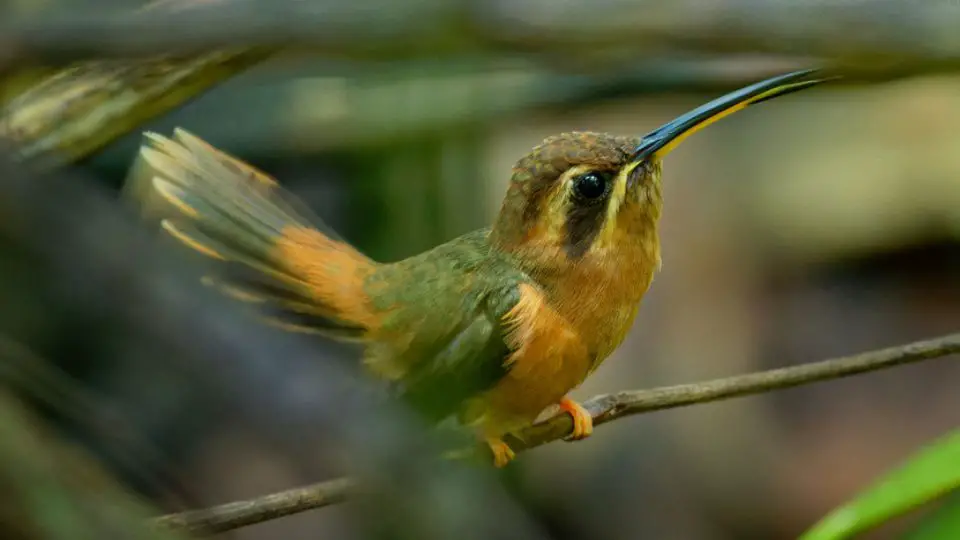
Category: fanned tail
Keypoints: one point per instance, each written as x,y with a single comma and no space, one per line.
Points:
271,251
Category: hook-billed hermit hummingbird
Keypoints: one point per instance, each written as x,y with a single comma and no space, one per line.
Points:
490,328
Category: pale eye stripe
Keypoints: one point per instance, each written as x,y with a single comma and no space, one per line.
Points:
617,198
562,199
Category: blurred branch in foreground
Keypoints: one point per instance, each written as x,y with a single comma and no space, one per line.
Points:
186,47
893,37
74,112
603,408
53,492
81,109
79,274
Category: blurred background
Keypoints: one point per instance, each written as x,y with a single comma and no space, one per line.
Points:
818,225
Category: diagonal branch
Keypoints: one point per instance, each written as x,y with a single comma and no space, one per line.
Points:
229,516
604,408
78,111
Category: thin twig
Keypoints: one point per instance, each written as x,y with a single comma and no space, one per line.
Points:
241,513
604,408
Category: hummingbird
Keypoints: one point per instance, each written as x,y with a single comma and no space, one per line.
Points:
490,328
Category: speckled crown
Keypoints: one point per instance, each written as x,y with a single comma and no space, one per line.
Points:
538,170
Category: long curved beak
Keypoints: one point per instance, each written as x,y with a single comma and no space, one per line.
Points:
665,138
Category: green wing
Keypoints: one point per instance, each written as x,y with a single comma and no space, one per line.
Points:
467,361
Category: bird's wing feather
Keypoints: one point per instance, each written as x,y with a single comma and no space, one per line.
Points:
515,350
466,361
270,250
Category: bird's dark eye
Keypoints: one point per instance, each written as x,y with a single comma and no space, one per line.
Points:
591,185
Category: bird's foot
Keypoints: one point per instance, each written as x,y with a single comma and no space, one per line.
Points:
582,420
502,453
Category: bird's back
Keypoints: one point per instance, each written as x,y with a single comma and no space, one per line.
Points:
425,305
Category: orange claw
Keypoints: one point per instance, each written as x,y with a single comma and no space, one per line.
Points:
502,453
582,421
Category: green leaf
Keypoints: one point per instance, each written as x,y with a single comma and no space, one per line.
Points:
932,472
942,523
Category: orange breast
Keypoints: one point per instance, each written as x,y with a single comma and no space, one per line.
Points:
602,305
549,360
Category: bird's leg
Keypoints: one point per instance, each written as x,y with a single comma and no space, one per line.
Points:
502,453
582,420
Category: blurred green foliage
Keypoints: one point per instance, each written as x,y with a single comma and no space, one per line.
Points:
931,473
944,523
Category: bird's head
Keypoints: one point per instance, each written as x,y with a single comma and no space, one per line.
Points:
579,196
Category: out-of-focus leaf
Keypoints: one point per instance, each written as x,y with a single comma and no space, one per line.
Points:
933,472
77,111
944,523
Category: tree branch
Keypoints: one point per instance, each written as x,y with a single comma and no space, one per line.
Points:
185,48
238,514
77,111
890,35
82,108
604,408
